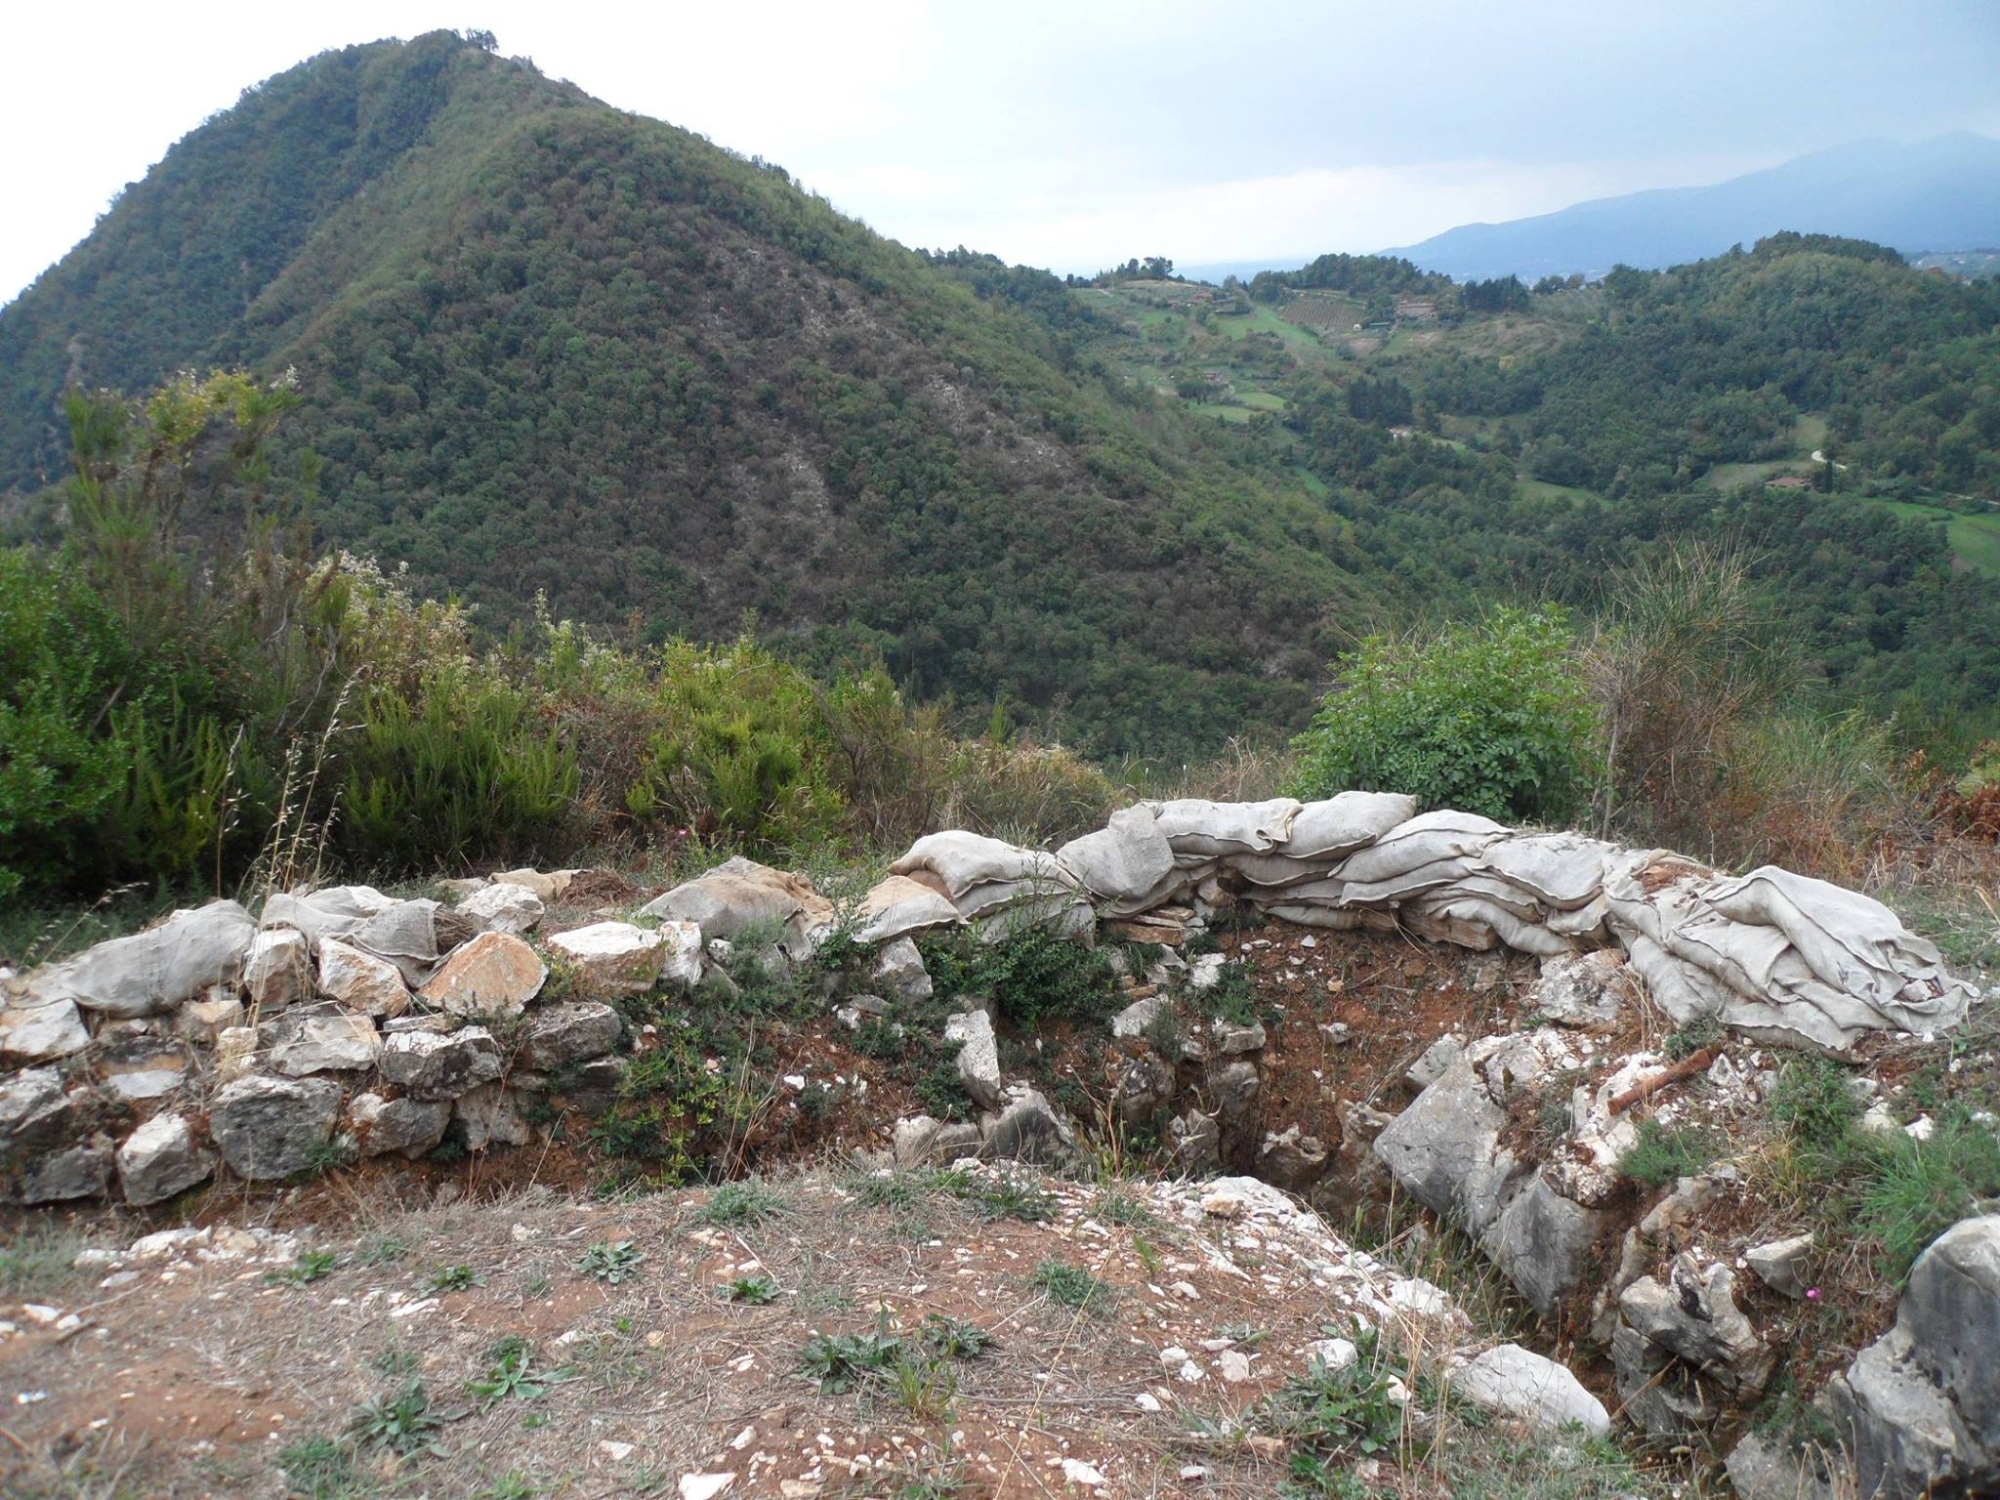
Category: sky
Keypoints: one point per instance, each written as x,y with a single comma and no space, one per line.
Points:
1075,135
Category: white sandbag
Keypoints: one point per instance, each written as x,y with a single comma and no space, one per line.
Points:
1194,826
1685,993
964,860
1328,890
900,905
404,933
1454,911
1852,944
1123,864
1562,869
1490,887
1585,924
1422,840
1346,822
334,912
1404,884
740,893
1279,869
154,970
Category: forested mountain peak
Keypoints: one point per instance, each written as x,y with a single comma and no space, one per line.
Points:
549,347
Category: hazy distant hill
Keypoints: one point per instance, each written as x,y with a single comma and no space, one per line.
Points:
547,346
1940,194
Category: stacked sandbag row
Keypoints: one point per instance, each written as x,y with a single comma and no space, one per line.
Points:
1772,954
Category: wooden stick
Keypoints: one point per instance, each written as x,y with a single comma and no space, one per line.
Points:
1687,1067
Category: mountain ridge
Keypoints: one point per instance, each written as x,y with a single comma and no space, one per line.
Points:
1941,194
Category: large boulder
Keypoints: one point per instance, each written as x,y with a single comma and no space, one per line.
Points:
330,1041
79,1171
37,1033
1952,1312
490,1115
504,907
1027,1128
560,1036
978,1056
410,1126
36,1115
433,1065
493,977
153,970
1532,1389
272,1127
360,980
614,958
899,971
162,1158
278,969
1445,1149
1542,1241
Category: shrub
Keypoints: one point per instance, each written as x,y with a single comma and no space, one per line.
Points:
461,771
1030,974
1918,1189
1662,1154
1493,718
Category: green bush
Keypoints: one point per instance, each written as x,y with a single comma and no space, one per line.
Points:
1663,1154
1493,718
463,771
1030,974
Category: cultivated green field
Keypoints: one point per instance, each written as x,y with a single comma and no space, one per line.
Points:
1975,540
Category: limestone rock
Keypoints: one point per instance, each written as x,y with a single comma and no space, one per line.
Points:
430,1065
162,1158
335,1041
1952,1312
549,887
899,969
1232,1039
81,1171
35,1114
1444,1149
278,969
361,981
1435,1062
1027,1128
1763,1467
613,958
137,1068
595,1086
921,1140
978,1055
1778,1264
1905,1437
235,1053
1136,1019
1691,1322
41,1033
559,1036
682,963
1542,1242
493,978
1144,1086
1233,1088
503,907
1197,1142
203,1021
1580,989
410,1126
272,1127
489,1114
1519,1383
1292,1160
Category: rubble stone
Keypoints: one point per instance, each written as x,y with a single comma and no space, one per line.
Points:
162,1158
272,1127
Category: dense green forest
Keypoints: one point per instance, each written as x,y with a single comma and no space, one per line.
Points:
543,348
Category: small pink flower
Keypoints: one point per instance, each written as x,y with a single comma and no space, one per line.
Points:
1812,1294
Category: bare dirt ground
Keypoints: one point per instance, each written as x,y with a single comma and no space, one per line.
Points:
202,1371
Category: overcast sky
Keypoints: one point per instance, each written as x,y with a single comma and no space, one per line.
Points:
1078,133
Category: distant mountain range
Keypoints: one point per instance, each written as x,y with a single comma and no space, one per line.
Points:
1936,195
